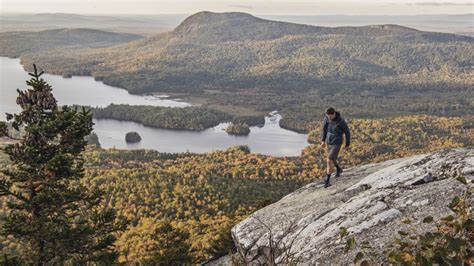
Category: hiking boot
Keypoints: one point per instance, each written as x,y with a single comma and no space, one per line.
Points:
338,171
327,183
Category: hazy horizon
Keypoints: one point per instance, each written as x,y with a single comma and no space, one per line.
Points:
149,24
258,7
254,14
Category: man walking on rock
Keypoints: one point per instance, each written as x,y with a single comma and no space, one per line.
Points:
334,126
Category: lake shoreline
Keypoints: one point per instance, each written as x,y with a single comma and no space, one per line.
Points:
192,99
269,139
166,95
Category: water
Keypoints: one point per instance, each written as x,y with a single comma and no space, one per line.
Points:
269,139
68,91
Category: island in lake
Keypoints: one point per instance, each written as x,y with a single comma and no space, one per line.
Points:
238,129
132,137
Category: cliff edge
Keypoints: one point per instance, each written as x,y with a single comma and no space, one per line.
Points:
369,200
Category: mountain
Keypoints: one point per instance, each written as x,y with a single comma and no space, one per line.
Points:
137,24
370,201
235,61
14,44
153,24
458,23
237,50
210,28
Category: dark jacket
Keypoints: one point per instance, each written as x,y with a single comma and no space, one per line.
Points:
332,130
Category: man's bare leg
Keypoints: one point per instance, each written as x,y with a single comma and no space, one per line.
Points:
330,166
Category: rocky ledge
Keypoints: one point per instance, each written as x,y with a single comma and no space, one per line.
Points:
369,200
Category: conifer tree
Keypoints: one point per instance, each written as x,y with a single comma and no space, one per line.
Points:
54,216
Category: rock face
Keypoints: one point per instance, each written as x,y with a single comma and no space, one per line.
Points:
369,200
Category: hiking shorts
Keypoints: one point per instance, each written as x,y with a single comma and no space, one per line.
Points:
333,151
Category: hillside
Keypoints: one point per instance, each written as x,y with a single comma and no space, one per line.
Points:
371,201
237,50
153,24
14,44
235,61
457,24
205,195
136,24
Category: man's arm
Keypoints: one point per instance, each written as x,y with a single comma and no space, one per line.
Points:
324,130
346,130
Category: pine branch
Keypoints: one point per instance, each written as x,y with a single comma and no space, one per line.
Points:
35,74
5,190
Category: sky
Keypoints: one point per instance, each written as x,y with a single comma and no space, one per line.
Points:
260,7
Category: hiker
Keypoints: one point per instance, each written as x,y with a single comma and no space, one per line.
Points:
331,135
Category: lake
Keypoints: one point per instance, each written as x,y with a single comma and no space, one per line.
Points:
269,139
68,91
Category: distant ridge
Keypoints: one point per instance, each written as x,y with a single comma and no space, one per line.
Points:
208,27
13,44
233,51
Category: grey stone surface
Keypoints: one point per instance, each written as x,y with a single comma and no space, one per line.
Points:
222,261
369,200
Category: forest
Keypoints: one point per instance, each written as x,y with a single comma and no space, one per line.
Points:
263,65
190,118
299,111
208,51
193,118
193,200
238,129
13,45
402,92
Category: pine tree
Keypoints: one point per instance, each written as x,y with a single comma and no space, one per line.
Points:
51,213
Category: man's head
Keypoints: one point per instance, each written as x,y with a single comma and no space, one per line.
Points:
331,113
